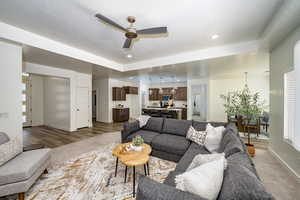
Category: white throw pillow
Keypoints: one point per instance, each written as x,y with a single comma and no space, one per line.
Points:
10,149
204,181
201,159
143,119
213,137
196,136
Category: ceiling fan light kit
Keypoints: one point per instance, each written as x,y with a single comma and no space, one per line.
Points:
131,32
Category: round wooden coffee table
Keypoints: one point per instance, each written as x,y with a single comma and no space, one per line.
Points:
132,159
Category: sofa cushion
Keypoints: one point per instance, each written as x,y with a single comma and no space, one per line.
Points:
201,126
204,180
171,143
146,135
23,166
154,124
10,148
230,143
201,159
242,158
170,180
240,183
189,155
176,127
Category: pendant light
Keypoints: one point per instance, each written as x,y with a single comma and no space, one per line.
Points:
160,88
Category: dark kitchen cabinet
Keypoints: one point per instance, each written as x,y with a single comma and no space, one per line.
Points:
167,91
120,114
181,94
131,90
118,94
154,94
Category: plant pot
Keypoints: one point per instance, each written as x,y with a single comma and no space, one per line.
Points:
251,149
137,148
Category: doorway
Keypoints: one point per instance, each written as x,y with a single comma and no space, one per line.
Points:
82,101
199,102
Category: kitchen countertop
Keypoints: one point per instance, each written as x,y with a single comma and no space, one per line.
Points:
159,108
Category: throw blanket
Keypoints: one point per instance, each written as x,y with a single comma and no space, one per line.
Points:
143,119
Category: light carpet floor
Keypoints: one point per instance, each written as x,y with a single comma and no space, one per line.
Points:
276,178
90,176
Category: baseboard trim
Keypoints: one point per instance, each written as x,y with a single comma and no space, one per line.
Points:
293,172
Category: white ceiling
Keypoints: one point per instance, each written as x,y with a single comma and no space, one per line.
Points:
190,23
255,63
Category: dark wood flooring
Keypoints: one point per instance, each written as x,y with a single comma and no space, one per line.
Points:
51,137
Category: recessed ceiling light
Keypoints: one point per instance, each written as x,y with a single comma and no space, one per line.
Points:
215,36
129,56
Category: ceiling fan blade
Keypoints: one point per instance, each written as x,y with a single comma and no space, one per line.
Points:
109,21
150,31
127,43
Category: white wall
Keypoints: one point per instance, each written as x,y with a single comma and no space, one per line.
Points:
57,103
228,76
283,59
256,83
103,100
37,100
11,91
76,80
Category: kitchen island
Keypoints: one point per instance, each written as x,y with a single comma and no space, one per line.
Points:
171,112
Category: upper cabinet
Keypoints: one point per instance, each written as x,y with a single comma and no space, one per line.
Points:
131,90
118,94
181,94
154,94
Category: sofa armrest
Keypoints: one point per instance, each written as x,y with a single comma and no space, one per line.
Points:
152,190
129,128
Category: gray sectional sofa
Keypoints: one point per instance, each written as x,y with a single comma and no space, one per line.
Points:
167,138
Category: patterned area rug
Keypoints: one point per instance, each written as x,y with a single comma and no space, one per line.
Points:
90,176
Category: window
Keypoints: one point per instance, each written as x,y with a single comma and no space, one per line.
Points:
289,106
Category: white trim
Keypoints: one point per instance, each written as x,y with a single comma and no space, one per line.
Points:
214,52
24,37
293,172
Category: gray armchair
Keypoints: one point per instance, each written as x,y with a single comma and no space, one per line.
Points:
19,173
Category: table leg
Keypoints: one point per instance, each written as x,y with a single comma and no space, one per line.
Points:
125,174
145,170
116,169
148,168
133,181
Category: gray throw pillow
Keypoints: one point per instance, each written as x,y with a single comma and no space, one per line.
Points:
3,138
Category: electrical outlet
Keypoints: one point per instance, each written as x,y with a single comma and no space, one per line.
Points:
4,115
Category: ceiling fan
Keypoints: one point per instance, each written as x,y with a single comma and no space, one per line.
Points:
131,32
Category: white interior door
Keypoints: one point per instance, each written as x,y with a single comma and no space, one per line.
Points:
26,100
82,101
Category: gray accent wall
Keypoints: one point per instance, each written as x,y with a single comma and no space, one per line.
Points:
282,61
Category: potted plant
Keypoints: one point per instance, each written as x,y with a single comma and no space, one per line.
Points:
244,104
137,143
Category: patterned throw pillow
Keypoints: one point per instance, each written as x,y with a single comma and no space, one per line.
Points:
196,136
